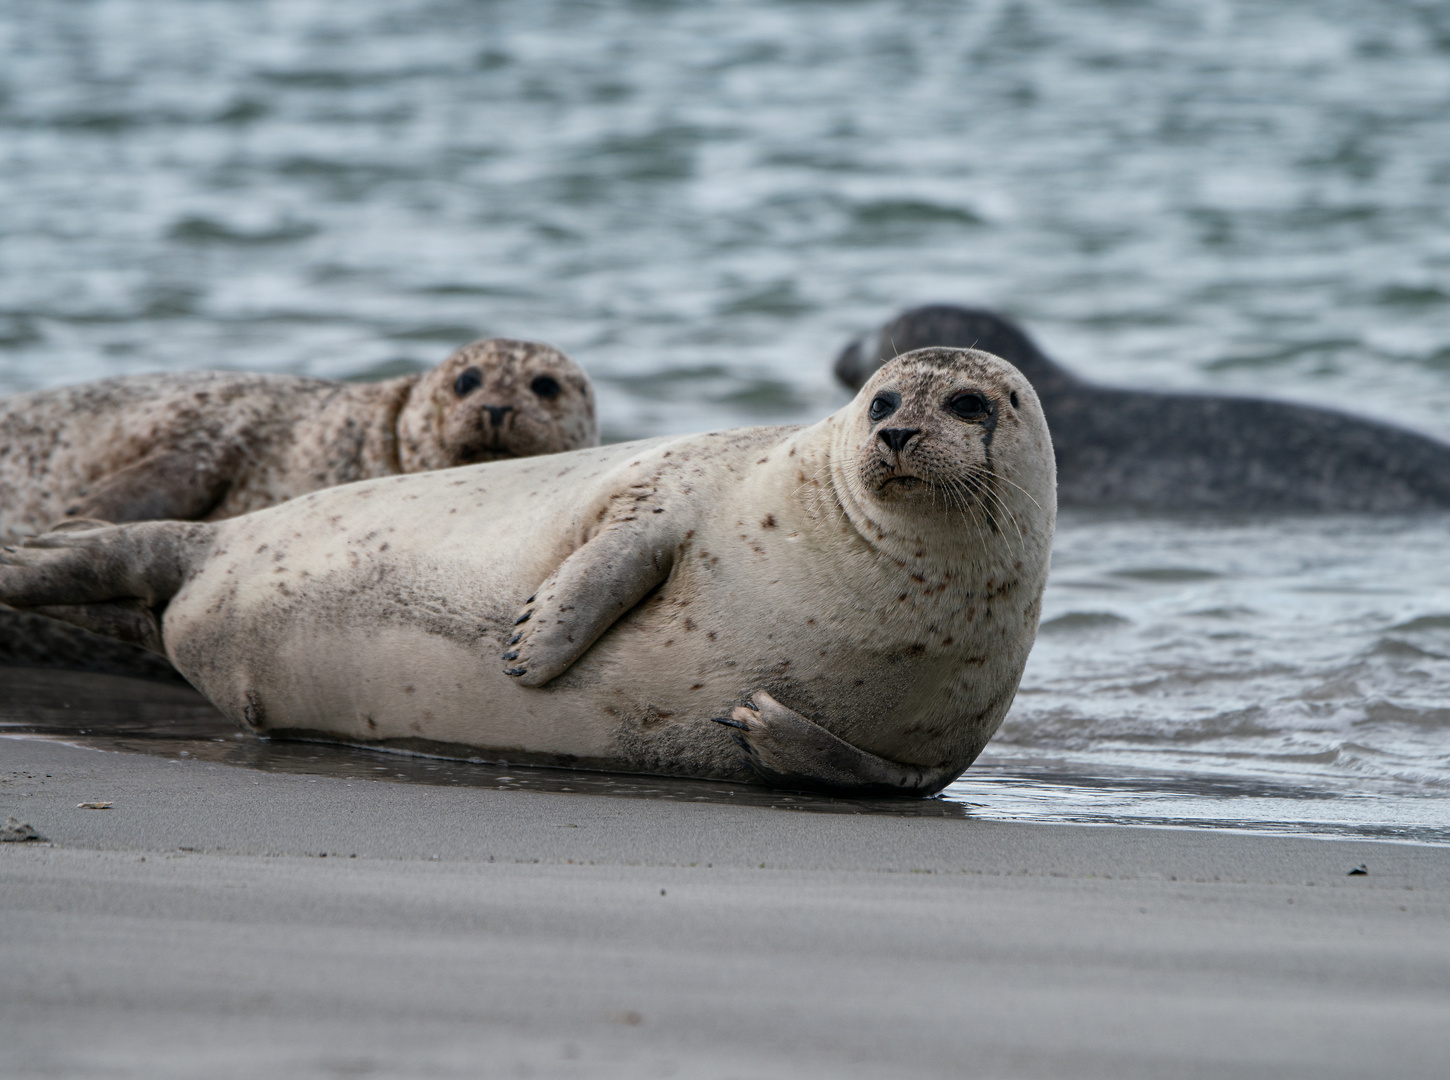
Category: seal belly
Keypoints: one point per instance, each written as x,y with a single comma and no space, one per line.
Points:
366,612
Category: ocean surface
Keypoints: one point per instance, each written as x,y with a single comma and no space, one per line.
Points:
701,202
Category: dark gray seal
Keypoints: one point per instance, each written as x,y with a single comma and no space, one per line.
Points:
1176,451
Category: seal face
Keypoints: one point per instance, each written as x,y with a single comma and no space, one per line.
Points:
211,445
933,435
1165,451
495,399
847,606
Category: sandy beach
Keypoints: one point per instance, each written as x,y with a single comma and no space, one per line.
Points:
224,921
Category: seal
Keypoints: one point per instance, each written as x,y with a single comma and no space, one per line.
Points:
209,445
1183,452
852,602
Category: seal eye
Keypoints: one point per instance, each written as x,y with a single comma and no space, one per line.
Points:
969,406
545,386
467,382
882,406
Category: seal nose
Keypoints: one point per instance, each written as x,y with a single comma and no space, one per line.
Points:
898,437
495,413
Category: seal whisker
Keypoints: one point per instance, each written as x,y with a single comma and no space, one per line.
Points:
1019,487
987,477
967,510
961,501
978,485
970,505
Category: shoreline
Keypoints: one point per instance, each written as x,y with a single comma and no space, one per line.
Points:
108,712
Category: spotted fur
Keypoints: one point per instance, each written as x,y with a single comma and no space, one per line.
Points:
873,599
211,445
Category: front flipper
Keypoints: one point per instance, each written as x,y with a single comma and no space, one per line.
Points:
584,597
788,751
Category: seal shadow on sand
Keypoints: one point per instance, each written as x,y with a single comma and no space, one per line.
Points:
136,716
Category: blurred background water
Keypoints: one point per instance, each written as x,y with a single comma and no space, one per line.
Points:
702,201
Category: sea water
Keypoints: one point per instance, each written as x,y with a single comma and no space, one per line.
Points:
702,202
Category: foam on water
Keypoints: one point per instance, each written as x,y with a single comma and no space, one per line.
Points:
702,201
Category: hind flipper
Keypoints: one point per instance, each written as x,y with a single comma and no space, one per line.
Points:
788,751
147,562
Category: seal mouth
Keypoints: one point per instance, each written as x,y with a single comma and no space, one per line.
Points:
909,482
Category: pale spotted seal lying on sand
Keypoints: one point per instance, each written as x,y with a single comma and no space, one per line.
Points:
209,445
871,584
1185,451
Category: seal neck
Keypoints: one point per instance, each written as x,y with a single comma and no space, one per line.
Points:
417,446
357,423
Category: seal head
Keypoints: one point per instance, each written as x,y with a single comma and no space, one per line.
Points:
496,398
954,430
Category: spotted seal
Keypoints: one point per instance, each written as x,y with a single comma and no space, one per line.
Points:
1167,451
210,445
853,601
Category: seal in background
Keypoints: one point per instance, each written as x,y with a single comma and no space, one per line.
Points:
208,445
1173,451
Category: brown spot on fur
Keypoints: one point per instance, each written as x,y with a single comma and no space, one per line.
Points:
768,522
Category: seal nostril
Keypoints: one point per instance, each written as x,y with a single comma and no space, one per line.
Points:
897,438
495,413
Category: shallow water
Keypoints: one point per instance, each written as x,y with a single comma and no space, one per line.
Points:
701,202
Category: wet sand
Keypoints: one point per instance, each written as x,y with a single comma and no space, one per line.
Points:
226,921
